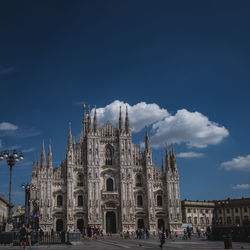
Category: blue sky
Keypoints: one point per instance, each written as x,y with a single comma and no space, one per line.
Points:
188,58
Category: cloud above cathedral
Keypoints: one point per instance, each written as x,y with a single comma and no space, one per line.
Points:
192,128
140,114
241,186
241,163
189,155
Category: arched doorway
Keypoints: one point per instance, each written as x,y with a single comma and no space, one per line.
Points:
59,225
80,224
140,223
161,224
110,222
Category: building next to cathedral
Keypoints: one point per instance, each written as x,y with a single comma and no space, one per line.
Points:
106,181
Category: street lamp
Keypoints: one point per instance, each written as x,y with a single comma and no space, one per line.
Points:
11,158
28,187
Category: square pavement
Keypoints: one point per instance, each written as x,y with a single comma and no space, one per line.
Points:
139,244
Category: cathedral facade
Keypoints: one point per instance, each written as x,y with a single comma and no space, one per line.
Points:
107,181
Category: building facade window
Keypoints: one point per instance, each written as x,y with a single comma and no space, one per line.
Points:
237,220
110,185
206,211
228,210
189,220
229,221
195,220
201,220
207,221
189,210
59,200
80,180
80,201
236,210
245,209
159,200
138,181
139,201
109,155
194,210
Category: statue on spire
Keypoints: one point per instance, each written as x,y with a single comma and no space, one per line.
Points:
43,157
69,137
50,156
120,120
147,143
95,121
127,125
89,119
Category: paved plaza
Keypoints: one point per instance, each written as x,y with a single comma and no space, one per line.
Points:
136,244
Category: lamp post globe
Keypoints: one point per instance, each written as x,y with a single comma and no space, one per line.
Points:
11,157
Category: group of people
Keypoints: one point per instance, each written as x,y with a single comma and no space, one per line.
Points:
92,233
25,236
138,234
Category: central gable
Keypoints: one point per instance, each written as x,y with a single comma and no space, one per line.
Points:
108,130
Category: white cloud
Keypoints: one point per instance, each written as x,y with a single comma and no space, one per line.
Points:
6,126
190,155
241,186
140,114
192,128
28,150
241,163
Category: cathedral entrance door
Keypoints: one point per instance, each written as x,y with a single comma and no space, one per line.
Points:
59,225
161,224
110,222
80,224
140,223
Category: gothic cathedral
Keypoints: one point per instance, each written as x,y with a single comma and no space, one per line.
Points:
106,181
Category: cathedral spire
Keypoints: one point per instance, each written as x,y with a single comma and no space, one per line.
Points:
147,143
89,119
173,160
127,126
50,156
120,120
38,163
162,163
95,121
43,157
69,137
167,159
34,163
84,122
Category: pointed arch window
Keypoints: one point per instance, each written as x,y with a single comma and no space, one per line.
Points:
80,180
80,201
110,185
59,200
139,201
109,156
159,201
138,180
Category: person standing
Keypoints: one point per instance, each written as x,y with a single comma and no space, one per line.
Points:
162,238
29,232
22,236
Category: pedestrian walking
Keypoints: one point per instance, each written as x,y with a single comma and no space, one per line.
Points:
29,233
22,236
162,237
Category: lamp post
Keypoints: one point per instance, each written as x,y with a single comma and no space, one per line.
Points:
11,158
27,187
